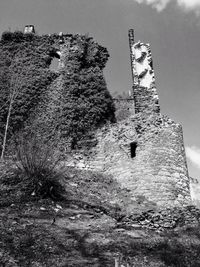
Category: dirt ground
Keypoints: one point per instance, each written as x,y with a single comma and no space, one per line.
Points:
84,229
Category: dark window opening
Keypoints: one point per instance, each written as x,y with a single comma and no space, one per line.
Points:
133,146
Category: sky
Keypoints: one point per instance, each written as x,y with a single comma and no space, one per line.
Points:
172,27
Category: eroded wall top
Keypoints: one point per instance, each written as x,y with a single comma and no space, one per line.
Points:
144,90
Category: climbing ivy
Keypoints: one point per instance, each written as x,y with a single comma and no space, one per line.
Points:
24,56
72,101
79,101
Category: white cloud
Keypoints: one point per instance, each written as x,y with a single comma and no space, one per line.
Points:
193,153
157,4
187,5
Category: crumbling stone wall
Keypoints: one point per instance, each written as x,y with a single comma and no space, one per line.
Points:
160,159
144,151
158,172
146,100
144,90
163,219
160,163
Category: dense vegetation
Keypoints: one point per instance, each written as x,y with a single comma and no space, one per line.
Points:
70,102
79,101
24,74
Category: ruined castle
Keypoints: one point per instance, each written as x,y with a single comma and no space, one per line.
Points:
145,151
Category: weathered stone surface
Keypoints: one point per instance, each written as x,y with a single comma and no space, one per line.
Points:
144,151
163,219
144,91
149,173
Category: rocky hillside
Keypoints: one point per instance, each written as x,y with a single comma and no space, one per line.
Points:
89,223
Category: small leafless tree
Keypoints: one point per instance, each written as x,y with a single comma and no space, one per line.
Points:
15,83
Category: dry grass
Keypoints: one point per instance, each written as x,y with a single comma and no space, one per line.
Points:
81,229
38,167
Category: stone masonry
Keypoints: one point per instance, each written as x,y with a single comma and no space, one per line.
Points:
144,90
145,151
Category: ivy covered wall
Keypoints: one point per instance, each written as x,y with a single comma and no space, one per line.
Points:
70,101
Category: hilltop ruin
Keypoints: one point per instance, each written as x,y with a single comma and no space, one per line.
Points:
144,152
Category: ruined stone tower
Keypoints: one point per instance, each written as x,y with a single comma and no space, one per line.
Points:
160,163
144,90
144,152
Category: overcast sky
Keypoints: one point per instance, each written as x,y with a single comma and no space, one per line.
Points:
172,27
